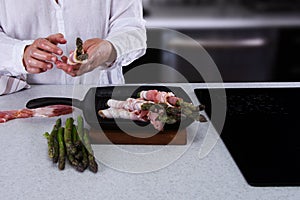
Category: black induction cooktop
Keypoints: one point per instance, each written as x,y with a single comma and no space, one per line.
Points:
262,132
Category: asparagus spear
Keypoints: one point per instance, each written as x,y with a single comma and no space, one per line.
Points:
56,147
93,166
60,138
58,123
68,137
72,159
76,143
70,148
75,138
80,126
50,145
78,160
79,50
172,114
54,138
85,161
80,131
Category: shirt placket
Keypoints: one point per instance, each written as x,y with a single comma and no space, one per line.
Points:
61,28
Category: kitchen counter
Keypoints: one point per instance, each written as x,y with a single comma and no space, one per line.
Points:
27,173
204,17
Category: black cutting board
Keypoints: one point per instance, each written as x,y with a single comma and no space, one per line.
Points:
97,97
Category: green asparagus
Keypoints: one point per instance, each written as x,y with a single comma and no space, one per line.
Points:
80,126
85,161
61,158
50,145
93,166
53,136
71,149
73,143
80,133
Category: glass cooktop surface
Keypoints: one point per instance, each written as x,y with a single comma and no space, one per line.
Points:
262,133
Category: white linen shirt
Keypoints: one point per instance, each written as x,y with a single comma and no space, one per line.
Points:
118,21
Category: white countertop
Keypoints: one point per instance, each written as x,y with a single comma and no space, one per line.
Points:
27,173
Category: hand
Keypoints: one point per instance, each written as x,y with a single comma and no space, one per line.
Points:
99,51
38,56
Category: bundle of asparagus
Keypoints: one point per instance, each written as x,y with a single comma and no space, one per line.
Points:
71,142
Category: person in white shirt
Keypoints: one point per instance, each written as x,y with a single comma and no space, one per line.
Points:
37,36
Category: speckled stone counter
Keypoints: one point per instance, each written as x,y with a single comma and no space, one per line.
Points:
27,173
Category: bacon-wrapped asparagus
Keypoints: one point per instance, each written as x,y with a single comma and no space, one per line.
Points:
78,56
154,106
159,97
120,113
168,98
130,104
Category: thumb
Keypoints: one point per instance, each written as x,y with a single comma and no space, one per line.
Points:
57,38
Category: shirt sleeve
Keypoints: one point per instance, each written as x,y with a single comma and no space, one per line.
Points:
11,56
127,31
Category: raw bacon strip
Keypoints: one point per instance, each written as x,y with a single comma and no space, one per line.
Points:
174,100
52,111
160,97
119,113
48,111
114,113
73,60
153,117
130,104
149,95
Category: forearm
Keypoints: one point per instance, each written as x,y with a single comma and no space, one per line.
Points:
127,31
129,45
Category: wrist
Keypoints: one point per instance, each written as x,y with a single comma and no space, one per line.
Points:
19,55
110,55
23,59
113,53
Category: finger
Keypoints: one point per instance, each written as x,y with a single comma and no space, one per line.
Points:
42,55
33,70
57,38
64,59
34,63
46,45
67,68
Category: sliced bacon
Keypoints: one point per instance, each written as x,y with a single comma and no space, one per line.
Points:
149,95
72,60
120,113
48,111
130,104
52,111
159,97
158,125
144,114
138,115
173,100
